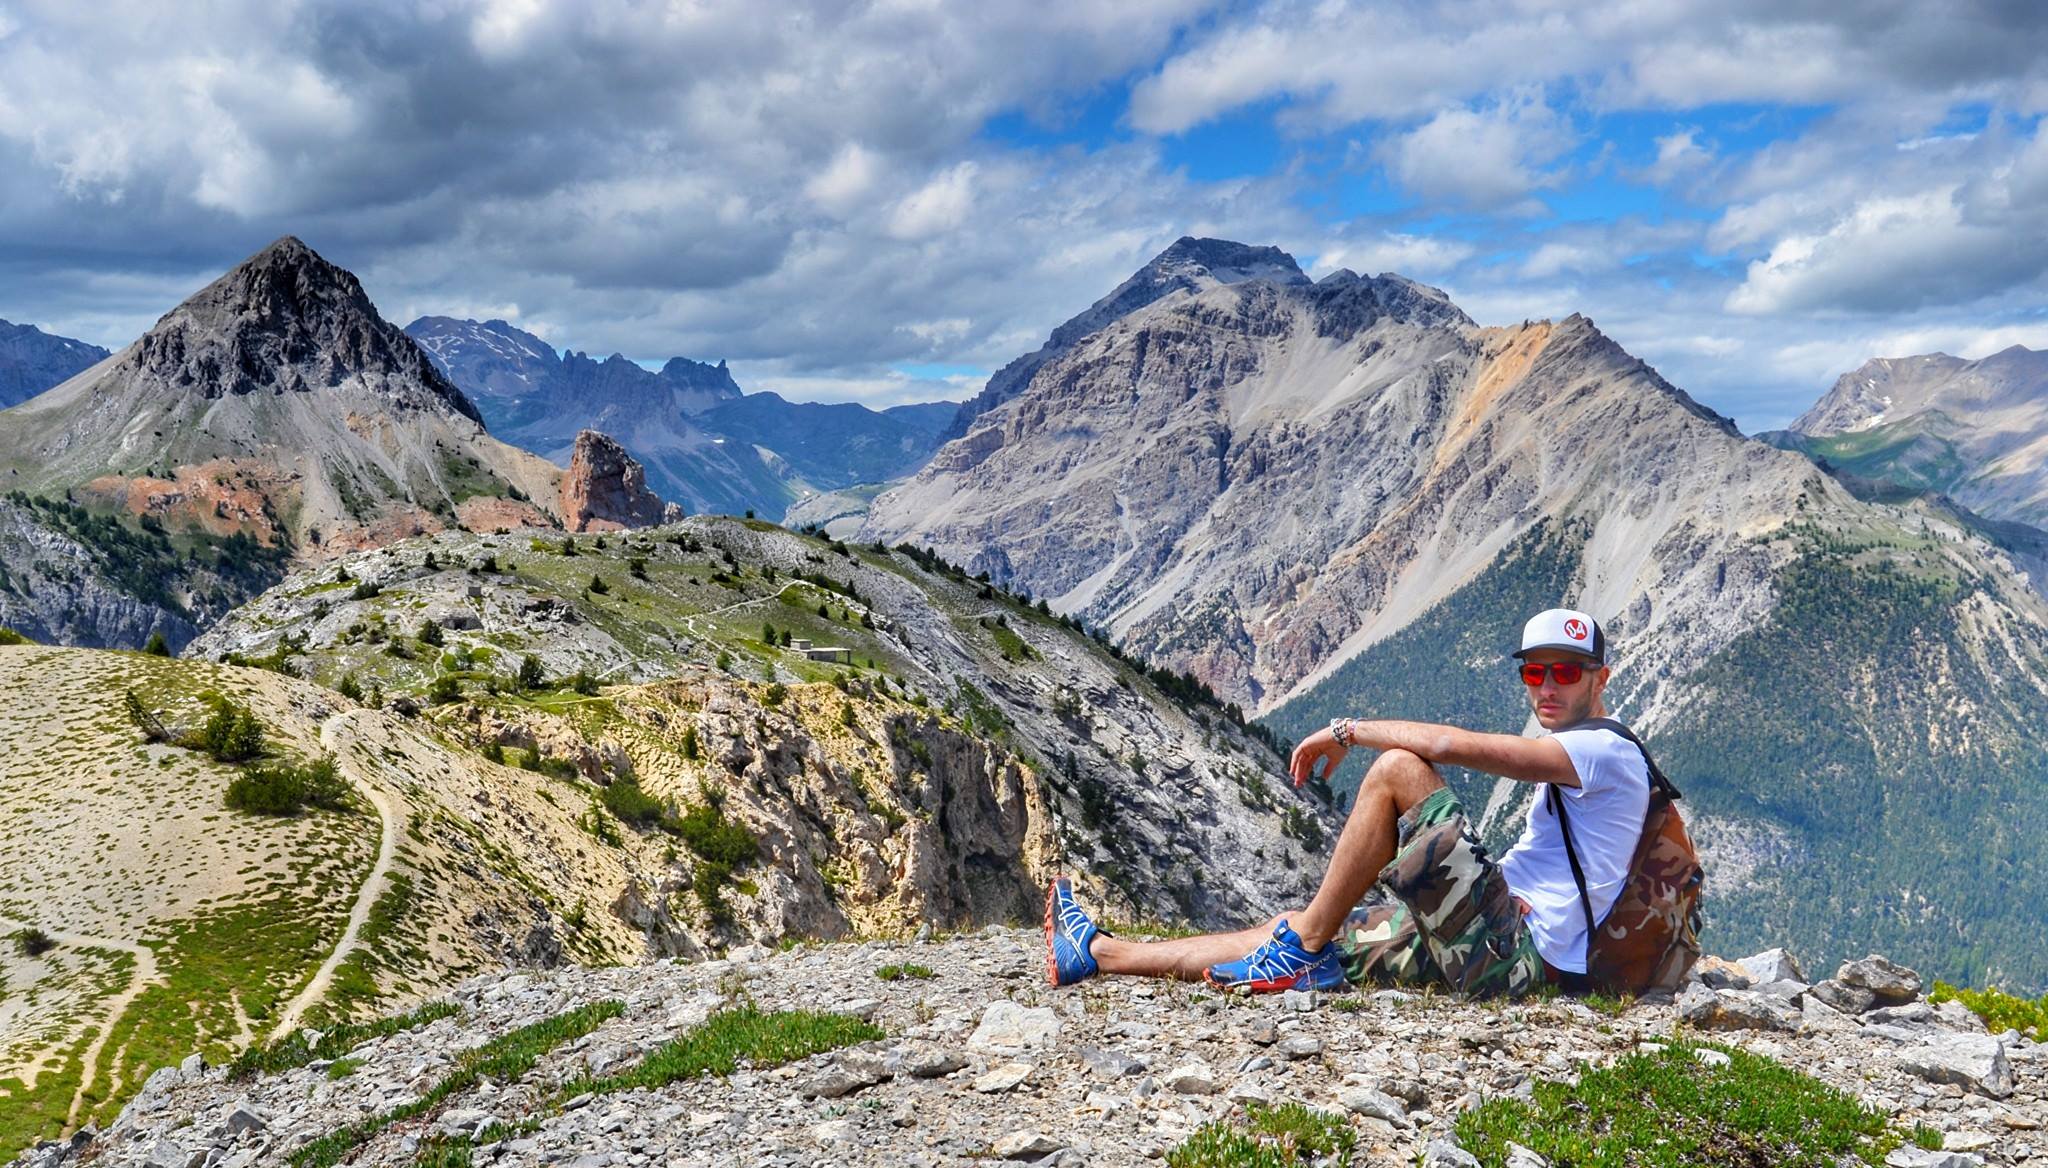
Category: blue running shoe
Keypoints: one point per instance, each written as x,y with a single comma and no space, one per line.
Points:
1281,964
1067,934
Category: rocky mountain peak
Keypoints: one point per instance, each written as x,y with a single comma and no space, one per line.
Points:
1890,389
1187,266
606,489
706,380
286,320
1222,260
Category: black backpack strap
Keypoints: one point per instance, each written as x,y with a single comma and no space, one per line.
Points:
1658,781
1571,855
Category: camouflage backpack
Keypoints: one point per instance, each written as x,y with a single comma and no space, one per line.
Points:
1650,937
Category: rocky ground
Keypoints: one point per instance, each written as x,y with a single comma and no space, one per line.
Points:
981,1062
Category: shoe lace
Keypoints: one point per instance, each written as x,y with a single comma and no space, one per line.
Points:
1274,960
1072,921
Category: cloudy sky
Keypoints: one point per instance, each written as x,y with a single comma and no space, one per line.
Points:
887,201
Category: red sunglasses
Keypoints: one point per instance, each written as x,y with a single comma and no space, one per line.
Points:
1563,672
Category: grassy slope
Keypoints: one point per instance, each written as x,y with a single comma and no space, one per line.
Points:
130,841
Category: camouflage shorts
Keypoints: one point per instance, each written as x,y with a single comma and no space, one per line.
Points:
1441,913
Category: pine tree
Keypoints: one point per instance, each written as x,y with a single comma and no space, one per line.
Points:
531,675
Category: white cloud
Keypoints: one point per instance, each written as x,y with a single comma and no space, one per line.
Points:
1409,255
937,207
841,186
1484,158
1679,156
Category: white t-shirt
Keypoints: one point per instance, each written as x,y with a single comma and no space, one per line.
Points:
1606,811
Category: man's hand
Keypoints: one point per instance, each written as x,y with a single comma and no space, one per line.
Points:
1317,747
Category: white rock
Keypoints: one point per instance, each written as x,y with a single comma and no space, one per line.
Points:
1003,1078
1376,1104
1922,1158
1025,1145
1007,1026
1521,1157
1973,1061
1190,1079
833,1133
1771,965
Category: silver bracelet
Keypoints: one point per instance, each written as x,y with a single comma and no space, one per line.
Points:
1340,729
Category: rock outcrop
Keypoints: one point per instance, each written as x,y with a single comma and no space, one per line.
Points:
605,489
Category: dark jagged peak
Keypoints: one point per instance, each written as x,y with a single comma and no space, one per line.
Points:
713,382
1224,261
287,321
1347,303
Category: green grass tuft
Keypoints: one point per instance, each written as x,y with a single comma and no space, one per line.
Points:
1668,1109
722,1041
1286,1136
294,1051
504,1059
903,969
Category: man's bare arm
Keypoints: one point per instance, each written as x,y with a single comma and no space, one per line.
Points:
1532,760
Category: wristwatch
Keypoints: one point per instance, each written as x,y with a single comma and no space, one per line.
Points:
1340,729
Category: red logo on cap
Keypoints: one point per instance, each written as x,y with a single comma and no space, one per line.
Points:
1575,629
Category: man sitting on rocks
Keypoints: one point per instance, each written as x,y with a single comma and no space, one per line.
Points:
1458,918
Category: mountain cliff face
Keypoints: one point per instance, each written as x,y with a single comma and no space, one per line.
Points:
32,361
275,403
1170,805
1976,431
1345,497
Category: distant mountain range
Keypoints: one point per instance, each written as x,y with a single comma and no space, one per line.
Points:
32,361
1976,431
705,443
1344,496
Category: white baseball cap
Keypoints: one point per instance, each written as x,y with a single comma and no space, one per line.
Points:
1564,628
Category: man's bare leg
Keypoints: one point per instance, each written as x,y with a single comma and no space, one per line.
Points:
1396,781
1185,958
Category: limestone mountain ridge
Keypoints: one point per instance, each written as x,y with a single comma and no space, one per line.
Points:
661,780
